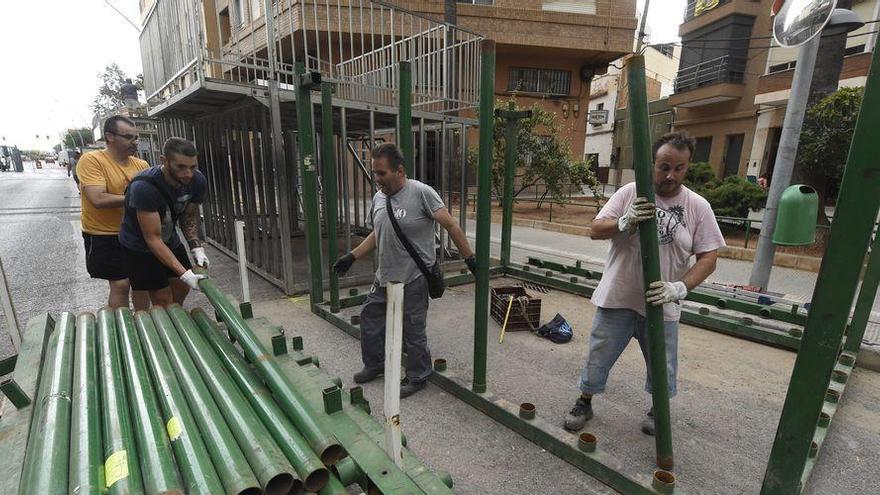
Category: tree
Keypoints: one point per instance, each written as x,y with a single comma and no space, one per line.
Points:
109,97
75,138
543,157
825,142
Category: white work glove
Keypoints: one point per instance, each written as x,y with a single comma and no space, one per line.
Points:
192,279
639,211
200,257
660,293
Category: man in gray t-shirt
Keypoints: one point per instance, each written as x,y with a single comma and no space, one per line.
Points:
416,207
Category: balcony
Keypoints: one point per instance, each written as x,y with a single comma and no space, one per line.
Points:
196,46
712,81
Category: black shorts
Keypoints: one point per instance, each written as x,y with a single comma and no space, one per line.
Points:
105,258
146,272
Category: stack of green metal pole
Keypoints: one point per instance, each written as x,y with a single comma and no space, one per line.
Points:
46,458
484,214
85,434
307,464
865,301
648,243
154,449
190,452
291,400
232,466
265,457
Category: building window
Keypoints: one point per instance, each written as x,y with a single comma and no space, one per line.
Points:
545,81
476,2
239,12
733,154
702,150
600,106
225,26
854,50
781,67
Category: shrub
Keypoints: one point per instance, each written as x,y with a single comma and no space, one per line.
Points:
734,197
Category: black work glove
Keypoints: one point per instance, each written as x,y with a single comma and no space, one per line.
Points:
471,262
344,263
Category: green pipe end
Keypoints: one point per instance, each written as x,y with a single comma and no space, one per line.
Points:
664,481
446,478
527,410
355,320
824,419
353,291
587,442
297,343
440,365
247,312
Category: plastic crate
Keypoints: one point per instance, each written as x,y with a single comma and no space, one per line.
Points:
517,321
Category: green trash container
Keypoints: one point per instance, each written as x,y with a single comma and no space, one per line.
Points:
796,217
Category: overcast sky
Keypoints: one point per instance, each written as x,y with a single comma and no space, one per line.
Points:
51,52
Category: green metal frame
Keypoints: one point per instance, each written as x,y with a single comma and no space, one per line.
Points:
837,282
305,84
511,119
328,167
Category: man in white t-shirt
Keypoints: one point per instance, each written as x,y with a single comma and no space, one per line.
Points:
686,228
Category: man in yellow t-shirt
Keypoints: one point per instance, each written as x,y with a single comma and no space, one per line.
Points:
103,176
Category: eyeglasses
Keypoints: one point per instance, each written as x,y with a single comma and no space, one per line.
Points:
129,137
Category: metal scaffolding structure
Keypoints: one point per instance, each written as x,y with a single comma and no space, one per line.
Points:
233,92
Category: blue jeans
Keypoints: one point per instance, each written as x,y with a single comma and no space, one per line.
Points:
612,331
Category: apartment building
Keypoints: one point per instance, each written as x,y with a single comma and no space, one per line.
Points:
724,52
774,86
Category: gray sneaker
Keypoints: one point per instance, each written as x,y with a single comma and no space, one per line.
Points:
579,415
367,375
408,387
648,423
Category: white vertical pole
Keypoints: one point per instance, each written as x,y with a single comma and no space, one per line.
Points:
242,261
12,321
393,349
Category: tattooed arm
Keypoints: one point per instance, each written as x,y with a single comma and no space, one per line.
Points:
189,225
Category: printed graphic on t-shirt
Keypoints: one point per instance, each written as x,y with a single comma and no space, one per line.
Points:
668,221
400,214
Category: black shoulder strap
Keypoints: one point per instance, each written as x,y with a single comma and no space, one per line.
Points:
157,186
403,240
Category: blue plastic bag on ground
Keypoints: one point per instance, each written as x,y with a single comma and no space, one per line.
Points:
557,330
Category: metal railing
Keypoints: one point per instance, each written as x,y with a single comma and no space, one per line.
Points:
727,68
355,43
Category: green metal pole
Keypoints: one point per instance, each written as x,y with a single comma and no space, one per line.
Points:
232,466
333,487
511,138
291,400
122,472
865,301
154,448
643,163
46,458
85,434
484,213
328,164
307,464
836,285
190,451
273,470
305,83
404,117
